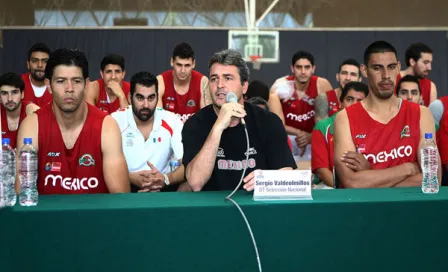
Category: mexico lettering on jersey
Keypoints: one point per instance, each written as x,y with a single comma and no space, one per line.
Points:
322,149
70,171
184,106
425,87
386,145
8,132
299,113
30,96
103,102
333,102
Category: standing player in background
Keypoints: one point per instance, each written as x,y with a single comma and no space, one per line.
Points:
292,98
35,89
322,149
183,90
79,146
419,63
384,129
111,92
13,108
349,70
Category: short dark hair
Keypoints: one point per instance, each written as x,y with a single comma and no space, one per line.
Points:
146,79
415,51
378,47
12,79
409,78
38,47
350,62
67,57
231,57
256,100
112,59
302,55
257,88
356,86
183,51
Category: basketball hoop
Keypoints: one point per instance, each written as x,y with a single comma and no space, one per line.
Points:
256,63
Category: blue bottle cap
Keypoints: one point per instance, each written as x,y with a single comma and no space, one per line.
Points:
28,140
6,141
428,135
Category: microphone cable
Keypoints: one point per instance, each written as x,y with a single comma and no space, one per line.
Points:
238,207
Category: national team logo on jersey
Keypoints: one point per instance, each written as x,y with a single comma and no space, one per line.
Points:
53,166
158,139
361,148
406,132
220,153
86,160
191,103
130,135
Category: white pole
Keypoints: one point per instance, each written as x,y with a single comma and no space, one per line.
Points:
266,12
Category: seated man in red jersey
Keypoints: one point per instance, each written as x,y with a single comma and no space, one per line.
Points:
419,61
79,146
111,92
322,149
387,130
35,89
13,108
292,98
183,90
349,70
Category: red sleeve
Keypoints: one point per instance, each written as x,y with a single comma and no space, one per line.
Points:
319,151
442,141
289,143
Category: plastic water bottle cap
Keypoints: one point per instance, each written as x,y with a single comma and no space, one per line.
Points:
6,141
428,135
28,140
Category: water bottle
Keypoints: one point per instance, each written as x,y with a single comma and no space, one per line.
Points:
28,174
174,164
8,173
429,163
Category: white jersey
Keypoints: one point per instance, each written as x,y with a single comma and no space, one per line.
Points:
164,140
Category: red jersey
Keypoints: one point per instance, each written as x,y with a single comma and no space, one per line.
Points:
6,131
103,102
425,87
299,113
70,171
184,105
29,95
386,145
333,102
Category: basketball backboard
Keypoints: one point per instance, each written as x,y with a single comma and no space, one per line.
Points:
256,43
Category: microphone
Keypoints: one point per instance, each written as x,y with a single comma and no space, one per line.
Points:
231,97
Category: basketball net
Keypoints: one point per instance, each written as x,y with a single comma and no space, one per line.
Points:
256,63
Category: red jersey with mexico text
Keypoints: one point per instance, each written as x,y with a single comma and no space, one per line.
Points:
333,102
103,102
386,145
425,87
184,105
299,113
8,132
78,170
29,96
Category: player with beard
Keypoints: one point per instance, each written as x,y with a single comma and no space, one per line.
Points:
111,92
384,130
35,89
79,146
419,62
13,109
214,139
150,136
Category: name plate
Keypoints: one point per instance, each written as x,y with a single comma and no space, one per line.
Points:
282,185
